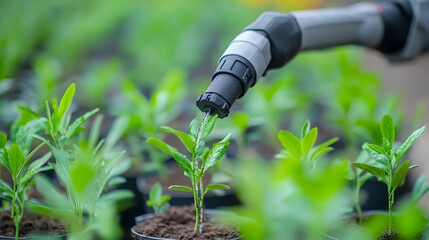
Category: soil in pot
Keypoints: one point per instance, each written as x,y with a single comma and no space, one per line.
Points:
178,223
30,223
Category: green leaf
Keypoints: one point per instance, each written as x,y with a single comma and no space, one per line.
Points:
305,129
78,122
183,162
375,171
216,153
34,168
16,158
322,148
291,143
400,174
380,158
208,126
165,198
308,141
155,193
82,177
3,140
215,186
185,138
388,129
404,147
66,101
194,126
4,187
376,148
181,188
162,146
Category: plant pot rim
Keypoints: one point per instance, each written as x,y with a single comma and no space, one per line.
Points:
147,216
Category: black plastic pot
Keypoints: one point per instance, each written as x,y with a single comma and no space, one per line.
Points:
211,200
137,236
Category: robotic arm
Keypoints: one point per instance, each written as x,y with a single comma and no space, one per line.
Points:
399,29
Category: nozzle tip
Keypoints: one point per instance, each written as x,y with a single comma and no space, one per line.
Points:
213,103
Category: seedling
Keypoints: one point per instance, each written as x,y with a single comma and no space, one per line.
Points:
359,177
157,201
87,169
303,148
388,165
203,158
17,160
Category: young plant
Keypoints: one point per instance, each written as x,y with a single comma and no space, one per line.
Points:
157,201
202,159
18,161
388,165
87,167
303,148
359,177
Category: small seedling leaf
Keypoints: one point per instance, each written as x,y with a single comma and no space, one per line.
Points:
321,149
16,158
388,129
380,158
308,141
400,174
291,143
165,198
183,162
208,126
375,171
194,126
162,146
305,129
155,193
78,122
404,147
34,168
181,188
376,148
66,101
185,138
215,186
216,153
3,140
4,187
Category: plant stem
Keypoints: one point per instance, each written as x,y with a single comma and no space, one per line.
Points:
357,200
200,229
391,192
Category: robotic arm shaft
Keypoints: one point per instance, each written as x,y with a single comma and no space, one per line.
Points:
399,29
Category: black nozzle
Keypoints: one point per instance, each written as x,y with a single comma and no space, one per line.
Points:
231,80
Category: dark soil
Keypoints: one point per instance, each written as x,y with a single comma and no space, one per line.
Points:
178,223
30,223
387,236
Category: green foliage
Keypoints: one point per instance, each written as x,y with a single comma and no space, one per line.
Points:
87,168
419,190
147,114
157,201
303,148
20,164
359,177
388,166
203,158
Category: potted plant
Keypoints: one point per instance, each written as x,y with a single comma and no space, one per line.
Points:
16,157
202,158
